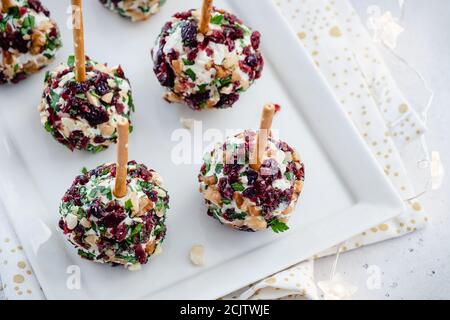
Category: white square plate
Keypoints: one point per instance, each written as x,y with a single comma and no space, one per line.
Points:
345,191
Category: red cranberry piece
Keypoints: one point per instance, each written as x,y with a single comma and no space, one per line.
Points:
183,15
38,7
96,116
192,54
140,254
251,60
227,100
96,210
165,75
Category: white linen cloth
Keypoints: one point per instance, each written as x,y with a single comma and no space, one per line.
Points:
333,34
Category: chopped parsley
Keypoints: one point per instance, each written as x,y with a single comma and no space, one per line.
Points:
278,226
128,205
217,19
289,175
191,74
71,61
188,62
238,186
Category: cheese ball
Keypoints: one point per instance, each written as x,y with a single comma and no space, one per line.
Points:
29,40
135,10
206,71
105,229
243,198
84,115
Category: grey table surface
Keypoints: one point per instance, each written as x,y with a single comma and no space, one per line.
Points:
416,266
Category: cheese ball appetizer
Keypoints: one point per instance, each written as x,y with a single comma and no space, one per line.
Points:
84,115
245,199
205,71
105,229
29,39
135,10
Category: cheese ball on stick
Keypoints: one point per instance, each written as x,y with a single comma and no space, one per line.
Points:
135,10
29,39
116,213
83,100
206,62
250,187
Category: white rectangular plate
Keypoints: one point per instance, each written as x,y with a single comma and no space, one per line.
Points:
345,191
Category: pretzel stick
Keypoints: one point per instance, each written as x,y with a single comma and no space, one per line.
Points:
78,40
6,4
120,187
263,134
206,16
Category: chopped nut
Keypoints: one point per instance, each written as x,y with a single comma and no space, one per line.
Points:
145,205
298,186
176,64
108,97
238,199
85,223
213,195
71,221
222,72
150,247
37,42
30,67
92,99
106,129
256,223
288,210
8,58
254,211
197,255
134,267
91,240
210,180
187,123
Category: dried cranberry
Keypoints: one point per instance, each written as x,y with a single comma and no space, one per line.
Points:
96,209
255,39
120,73
38,7
140,254
165,74
114,218
192,54
251,60
216,37
251,176
183,15
120,232
195,100
189,34
99,139
233,33
227,100
231,18
96,116
120,108
251,194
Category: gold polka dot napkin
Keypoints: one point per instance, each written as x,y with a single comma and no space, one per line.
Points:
17,278
344,53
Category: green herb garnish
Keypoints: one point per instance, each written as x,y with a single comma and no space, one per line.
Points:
238,186
278,226
217,19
